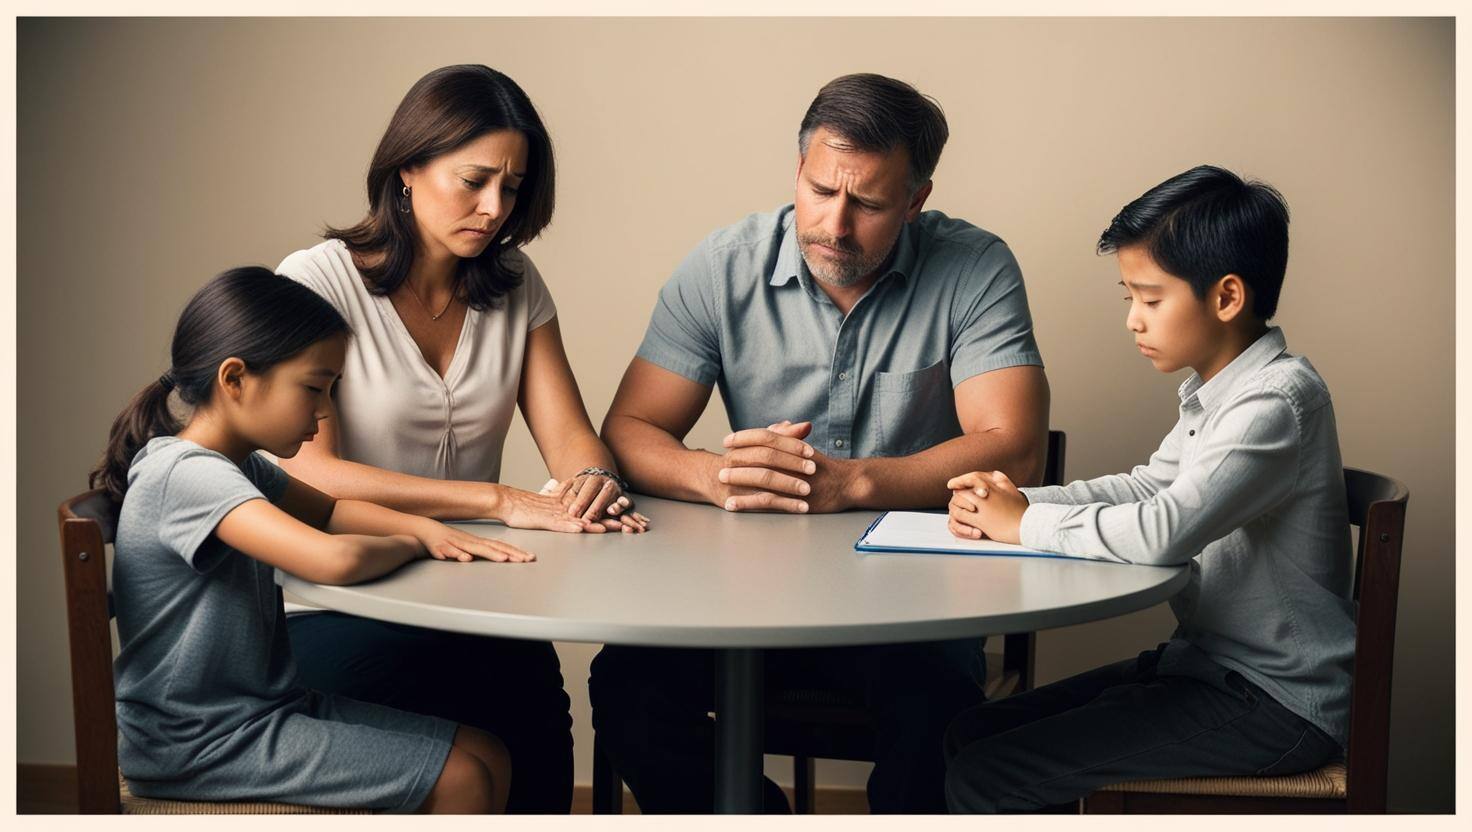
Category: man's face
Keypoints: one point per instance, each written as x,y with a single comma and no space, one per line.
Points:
850,207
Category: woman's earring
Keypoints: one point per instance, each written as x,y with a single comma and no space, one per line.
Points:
405,206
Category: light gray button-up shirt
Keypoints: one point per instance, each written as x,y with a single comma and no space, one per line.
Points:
742,311
1249,489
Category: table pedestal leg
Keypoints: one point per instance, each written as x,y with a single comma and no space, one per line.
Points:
740,723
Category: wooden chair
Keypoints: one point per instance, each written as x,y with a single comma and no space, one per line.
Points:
808,724
1377,505
88,523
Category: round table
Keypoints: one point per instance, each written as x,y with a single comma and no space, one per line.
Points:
703,577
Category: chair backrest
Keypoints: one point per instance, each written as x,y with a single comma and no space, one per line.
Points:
88,523
1377,505
1053,466
1019,650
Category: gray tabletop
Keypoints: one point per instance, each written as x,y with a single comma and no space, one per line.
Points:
703,577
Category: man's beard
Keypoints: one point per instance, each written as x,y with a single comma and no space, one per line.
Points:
851,267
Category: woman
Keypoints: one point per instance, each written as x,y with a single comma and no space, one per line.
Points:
453,328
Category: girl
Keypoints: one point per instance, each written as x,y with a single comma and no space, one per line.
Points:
208,701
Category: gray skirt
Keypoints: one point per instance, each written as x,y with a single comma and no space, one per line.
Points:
325,750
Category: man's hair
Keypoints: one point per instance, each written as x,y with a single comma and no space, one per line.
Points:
873,113
1205,224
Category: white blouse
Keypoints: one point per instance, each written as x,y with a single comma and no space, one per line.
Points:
394,411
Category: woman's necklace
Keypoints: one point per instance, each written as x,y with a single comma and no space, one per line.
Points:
422,305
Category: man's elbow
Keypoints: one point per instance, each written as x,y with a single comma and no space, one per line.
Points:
1023,461
615,434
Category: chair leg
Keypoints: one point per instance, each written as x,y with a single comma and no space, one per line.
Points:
803,785
1102,803
608,789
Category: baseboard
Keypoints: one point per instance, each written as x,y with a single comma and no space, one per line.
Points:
52,790
42,789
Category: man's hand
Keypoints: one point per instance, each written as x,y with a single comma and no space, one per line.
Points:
772,469
986,504
765,469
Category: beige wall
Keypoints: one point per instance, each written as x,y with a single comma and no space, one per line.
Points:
152,154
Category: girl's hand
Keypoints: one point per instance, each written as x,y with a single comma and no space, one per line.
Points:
444,543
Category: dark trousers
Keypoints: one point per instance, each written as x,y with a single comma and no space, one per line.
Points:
1135,720
650,709
506,687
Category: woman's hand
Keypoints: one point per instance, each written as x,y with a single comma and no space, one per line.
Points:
593,497
621,506
525,510
444,543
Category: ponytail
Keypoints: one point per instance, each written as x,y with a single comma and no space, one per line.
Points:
145,417
248,313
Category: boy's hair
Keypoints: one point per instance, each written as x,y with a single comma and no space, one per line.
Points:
248,313
1205,224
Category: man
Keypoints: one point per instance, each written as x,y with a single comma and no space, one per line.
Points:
866,352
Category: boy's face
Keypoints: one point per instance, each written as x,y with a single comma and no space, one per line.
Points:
1172,327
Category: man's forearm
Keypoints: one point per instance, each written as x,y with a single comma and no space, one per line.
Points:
656,463
919,480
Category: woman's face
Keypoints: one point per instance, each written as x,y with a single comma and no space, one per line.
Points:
461,198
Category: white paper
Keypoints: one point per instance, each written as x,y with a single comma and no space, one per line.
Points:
919,531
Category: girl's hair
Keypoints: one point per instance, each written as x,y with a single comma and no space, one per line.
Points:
442,111
247,313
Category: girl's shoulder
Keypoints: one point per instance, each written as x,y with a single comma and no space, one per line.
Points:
167,458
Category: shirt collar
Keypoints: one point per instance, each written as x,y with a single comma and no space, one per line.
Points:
1258,355
791,265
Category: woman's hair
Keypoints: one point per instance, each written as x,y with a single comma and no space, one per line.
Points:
247,313
442,111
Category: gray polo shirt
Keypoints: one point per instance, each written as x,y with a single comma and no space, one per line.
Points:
1248,489
742,312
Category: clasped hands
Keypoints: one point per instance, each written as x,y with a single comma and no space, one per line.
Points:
773,469
986,504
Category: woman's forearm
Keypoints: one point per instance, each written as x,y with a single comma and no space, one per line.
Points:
360,517
423,496
581,450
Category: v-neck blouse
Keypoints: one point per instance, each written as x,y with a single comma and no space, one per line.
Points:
394,411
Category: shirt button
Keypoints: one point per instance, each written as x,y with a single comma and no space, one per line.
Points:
838,443
1191,433
843,376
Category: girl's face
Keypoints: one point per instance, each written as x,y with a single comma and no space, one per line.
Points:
462,198
280,408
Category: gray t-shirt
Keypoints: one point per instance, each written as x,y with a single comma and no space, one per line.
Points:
742,311
203,632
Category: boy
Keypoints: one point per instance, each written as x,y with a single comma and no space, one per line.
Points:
1248,489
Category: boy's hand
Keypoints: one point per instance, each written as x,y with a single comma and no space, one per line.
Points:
445,543
986,504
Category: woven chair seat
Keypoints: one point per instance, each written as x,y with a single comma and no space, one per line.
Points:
135,805
1327,782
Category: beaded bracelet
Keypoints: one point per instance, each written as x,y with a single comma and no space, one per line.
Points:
604,472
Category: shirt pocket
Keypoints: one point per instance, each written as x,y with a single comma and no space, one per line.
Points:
914,411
